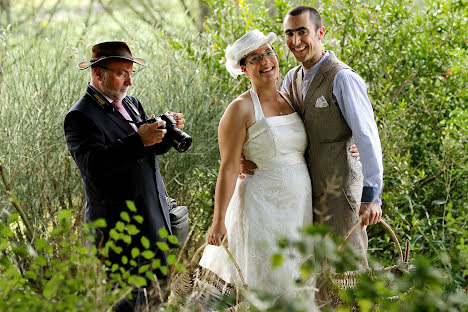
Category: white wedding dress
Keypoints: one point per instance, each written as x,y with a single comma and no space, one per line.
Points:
274,202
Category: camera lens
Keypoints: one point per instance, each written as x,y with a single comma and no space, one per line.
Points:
181,142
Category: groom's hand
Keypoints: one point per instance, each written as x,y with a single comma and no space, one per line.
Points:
354,151
371,213
246,166
217,234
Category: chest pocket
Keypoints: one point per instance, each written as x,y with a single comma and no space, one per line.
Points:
327,124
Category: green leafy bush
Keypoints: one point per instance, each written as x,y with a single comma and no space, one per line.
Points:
412,58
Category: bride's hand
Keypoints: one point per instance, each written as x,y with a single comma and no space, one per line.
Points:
217,234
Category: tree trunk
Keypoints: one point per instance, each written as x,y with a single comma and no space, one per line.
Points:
204,12
5,4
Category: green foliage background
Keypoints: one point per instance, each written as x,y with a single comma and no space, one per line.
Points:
413,57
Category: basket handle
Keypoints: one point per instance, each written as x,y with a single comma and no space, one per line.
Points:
394,238
194,261
389,230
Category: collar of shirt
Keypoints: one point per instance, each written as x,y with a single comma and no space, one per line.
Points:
99,91
309,74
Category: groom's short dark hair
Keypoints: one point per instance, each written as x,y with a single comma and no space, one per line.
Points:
314,15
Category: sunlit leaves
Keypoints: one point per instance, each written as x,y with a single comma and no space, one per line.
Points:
163,246
145,242
277,260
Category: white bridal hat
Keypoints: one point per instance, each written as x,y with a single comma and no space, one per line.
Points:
243,46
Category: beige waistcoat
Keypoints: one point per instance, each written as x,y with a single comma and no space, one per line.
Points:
336,175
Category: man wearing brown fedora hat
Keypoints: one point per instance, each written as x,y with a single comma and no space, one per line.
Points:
116,158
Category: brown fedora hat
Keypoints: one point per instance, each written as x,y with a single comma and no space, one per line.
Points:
110,49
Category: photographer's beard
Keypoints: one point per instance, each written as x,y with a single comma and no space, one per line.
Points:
117,95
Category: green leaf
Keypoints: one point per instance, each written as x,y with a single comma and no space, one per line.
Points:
277,260
133,263
164,270
135,252
41,261
115,267
156,263
30,275
5,262
132,229
20,250
145,242
163,246
50,290
65,215
6,231
100,223
163,232
173,239
115,276
14,200
143,268
124,259
306,271
147,254
114,235
117,249
57,232
127,239
180,267
131,206
150,276
120,226
13,273
365,305
124,216
3,244
13,218
137,281
138,219
171,259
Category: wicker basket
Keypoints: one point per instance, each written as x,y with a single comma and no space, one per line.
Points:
202,285
349,279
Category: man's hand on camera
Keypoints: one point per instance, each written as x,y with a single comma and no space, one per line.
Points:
150,134
179,118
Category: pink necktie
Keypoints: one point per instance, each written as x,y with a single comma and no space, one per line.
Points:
119,106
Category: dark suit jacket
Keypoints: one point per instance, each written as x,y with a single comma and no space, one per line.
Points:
115,166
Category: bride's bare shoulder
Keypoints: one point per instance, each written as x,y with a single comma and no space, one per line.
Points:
241,105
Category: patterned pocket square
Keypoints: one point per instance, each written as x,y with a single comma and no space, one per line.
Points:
321,102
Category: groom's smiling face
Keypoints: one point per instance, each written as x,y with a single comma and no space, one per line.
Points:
303,39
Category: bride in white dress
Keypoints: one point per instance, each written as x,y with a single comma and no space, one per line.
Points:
251,214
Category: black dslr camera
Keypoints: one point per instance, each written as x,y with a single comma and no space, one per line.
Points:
178,139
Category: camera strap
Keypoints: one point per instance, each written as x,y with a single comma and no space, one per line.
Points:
99,99
109,108
132,106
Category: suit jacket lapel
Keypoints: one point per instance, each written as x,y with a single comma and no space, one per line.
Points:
319,77
120,121
296,86
132,110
